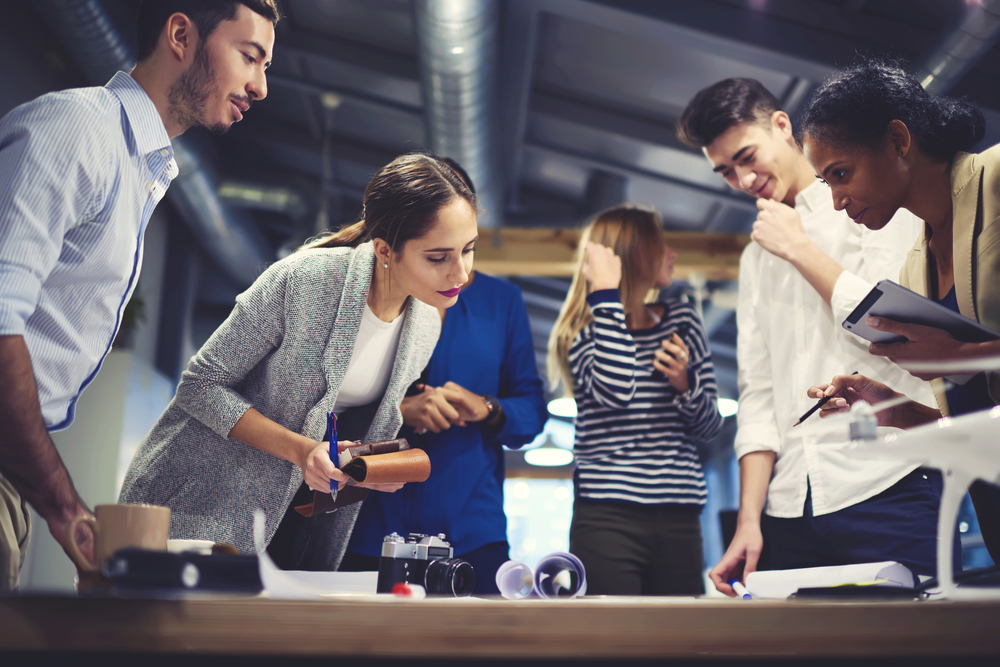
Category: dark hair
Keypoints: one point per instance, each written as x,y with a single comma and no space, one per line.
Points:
205,14
401,203
858,104
720,106
457,168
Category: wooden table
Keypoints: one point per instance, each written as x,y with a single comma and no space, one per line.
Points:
601,628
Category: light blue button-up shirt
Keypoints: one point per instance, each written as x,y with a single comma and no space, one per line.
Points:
80,173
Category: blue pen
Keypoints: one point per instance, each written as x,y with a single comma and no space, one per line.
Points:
740,589
331,437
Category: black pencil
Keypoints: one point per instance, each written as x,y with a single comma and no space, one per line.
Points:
816,407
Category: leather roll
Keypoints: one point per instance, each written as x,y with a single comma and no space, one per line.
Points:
323,503
384,461
409,465
370,449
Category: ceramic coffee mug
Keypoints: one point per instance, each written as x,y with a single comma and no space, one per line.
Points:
117,527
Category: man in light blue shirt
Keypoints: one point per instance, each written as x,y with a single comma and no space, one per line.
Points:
80,174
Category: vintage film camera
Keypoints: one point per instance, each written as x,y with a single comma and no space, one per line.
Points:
424,560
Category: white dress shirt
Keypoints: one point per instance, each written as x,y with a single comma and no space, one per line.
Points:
790,339
80,173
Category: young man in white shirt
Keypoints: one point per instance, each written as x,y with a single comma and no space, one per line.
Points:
808,267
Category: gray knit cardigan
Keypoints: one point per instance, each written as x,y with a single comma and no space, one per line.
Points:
283,350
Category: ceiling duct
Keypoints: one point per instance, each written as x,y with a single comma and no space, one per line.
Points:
229,236
458,60
962,47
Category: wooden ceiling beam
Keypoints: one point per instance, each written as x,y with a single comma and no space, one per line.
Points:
540,251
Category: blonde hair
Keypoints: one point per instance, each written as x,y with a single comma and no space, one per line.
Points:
636,236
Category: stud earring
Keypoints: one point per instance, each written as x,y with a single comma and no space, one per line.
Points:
385,266
900,153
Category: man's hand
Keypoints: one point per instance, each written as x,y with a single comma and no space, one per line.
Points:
672,360
740,558
83,535
435,409
601,267
778,229
28,457
922,344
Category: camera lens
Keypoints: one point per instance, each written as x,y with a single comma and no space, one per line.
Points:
449,576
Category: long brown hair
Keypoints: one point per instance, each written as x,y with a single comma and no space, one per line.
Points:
401,203
636,236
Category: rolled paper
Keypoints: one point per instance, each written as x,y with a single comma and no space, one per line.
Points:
559,575
515,580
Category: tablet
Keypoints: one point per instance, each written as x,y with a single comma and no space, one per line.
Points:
887,299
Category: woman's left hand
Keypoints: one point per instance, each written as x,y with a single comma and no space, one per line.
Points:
672,361
385,487
922,343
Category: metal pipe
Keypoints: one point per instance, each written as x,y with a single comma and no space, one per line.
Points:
962,47
457,42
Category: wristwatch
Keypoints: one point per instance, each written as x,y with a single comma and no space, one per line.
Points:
494,407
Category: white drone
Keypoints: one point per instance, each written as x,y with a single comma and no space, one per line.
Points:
964,448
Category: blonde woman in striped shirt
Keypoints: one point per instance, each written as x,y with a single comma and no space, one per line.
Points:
642,376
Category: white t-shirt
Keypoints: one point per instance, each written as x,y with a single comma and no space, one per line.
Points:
371,362
789,340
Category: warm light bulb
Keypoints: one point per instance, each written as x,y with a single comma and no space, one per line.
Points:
563,407
548,457
728,407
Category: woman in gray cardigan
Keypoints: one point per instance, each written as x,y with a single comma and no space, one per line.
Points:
246,426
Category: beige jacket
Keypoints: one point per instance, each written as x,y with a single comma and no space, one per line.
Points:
975,195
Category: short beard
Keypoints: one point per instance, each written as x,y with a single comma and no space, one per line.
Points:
189,93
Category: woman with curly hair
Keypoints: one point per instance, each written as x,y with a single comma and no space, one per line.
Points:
884,143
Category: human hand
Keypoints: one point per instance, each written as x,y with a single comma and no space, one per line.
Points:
318,469
384,487
82,536
849,389
432,410
471,406
672,361
922,343
601,267
778,229
745,550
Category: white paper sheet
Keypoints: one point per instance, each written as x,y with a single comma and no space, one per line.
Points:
782,583
298,585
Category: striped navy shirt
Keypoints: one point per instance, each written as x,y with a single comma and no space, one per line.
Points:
80,173
635,436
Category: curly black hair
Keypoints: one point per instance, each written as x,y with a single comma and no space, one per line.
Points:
858,103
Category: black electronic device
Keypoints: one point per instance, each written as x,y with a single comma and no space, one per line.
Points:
142,570
895,302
